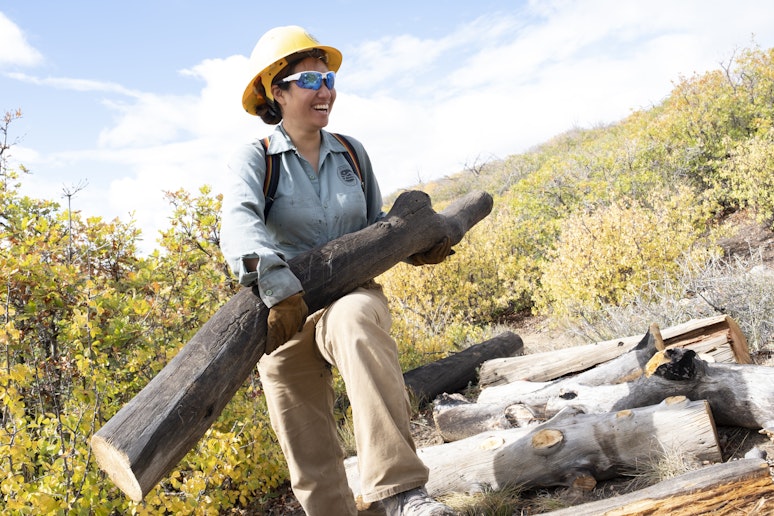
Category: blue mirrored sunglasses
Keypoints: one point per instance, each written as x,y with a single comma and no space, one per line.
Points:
312,80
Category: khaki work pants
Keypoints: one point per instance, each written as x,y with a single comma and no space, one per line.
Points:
351,334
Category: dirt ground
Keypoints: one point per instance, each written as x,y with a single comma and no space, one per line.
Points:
537,336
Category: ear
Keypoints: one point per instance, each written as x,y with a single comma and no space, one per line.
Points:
278,94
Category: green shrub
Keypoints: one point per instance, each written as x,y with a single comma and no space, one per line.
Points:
609,253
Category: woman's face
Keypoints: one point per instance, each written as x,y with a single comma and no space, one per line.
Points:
304,107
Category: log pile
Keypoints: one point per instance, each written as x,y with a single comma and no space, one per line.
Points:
578,416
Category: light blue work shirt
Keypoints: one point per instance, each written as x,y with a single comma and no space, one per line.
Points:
309,209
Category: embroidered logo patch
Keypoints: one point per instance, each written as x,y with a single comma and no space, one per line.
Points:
347,176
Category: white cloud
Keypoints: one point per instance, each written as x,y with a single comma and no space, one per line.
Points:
149,120
66,83
424,107
14,48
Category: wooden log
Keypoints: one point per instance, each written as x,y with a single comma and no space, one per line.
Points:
572,449
718,336
141,443
455,372
740,395
549,365
498,407
737,487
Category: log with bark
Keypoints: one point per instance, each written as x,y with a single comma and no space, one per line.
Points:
572,449
737,487
740,395
455,372
141,443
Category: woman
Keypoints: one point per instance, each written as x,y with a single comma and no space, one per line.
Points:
316,201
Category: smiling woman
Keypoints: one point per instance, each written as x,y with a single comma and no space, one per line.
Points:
318,199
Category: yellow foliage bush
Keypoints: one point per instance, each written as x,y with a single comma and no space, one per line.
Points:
605,254
746,179
441,308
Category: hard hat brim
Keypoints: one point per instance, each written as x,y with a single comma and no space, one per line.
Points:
251,101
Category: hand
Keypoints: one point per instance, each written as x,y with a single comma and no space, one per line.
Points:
436,254
285,320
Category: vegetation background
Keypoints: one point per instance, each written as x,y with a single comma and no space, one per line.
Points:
598,232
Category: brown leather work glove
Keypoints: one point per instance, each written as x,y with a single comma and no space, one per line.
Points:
285,319
435,254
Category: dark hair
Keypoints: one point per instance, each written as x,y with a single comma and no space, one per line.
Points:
271,112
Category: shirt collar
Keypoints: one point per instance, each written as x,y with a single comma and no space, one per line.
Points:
280,142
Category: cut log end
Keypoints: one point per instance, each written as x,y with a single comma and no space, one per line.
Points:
545,440
674,364
738,342
117,466
584,482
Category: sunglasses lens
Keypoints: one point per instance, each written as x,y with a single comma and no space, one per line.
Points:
313,80
310,80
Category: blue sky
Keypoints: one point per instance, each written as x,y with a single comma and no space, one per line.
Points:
135,98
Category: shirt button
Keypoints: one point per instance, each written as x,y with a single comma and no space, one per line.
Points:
269,292
311,176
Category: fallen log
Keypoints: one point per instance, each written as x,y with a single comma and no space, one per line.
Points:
455,372
740,395
549,365
498,407
571,449
143,442
737,487
623,368
718,336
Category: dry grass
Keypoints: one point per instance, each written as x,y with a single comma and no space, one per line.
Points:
346,433
665,463
488,502
741,287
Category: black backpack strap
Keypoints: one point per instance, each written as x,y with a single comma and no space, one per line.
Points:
271,179
351,157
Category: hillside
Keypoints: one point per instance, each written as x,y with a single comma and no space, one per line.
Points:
743,237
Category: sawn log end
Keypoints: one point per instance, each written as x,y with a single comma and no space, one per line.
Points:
117,466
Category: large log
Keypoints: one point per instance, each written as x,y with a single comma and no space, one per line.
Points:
550,365
503,406
740,395
718,336
457,371
622,368
737,487
572,449
141,443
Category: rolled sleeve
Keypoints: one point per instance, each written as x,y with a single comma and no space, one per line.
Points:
244,234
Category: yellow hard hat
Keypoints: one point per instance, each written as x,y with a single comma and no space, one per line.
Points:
270,56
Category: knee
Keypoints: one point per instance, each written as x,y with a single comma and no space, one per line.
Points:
359,309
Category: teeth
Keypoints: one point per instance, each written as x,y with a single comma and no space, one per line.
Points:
323,107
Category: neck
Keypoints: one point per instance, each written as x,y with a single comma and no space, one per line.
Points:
307,142
303,137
